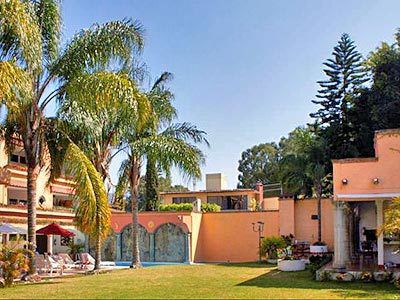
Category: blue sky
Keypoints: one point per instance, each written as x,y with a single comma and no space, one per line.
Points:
245,71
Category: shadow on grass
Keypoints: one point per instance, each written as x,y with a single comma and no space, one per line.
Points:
303,280
261,265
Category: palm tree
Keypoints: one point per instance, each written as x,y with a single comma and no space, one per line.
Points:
173,146
316,172
95,126
34,72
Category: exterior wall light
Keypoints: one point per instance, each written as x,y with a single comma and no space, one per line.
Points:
345,181
375,180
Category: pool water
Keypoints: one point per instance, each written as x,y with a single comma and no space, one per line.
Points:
149,264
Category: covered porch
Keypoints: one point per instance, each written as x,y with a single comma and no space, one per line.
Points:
359,244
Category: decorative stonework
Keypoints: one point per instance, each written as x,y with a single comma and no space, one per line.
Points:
5,176
150,224
170,240
126,244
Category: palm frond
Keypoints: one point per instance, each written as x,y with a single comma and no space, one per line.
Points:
14,83
49,19
105,91
98,46
186,132
391,225
20,35
92,211
171,152
162,80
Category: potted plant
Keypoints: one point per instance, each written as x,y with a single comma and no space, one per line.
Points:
75,249
288,261
271,247
319,247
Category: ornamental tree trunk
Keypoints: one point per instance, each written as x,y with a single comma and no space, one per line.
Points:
31,199
134,185
319,196
98,241
97,254
33,155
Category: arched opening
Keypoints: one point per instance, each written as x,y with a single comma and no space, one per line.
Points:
126,243
170,243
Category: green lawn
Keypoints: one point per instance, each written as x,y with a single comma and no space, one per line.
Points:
200,281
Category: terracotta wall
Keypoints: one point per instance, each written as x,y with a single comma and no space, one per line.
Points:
229,237
152,220
360,172
295,218
270,203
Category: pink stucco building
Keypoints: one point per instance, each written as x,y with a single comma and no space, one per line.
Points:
363,187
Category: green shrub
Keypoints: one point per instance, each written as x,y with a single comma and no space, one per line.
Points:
176,207
317,262
210,207
272,246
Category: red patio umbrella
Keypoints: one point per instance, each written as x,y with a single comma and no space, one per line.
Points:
55,229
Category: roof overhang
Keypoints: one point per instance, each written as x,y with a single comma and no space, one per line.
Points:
366,197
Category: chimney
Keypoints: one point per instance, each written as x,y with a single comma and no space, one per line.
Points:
260,190
216,182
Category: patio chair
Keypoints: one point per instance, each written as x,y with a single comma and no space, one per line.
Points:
68,261
41,264
86,260
54,265
367,253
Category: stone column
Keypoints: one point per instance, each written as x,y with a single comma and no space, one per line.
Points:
50,243
379,222
187,248
119,249
152,248
341,235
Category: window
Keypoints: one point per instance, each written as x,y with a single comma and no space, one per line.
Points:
13,201
65,241
18,158
178,200
229,202
42,200
21,202
14,158
216,200
13,237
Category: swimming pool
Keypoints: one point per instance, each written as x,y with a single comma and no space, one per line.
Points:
149,264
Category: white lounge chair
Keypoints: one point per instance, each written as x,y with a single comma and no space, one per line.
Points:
53,265
68,262
86,260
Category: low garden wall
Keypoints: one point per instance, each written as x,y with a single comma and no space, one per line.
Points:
229,236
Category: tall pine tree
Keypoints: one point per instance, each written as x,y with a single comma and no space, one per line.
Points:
345,78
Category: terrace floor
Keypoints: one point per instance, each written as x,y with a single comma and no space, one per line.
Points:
250,280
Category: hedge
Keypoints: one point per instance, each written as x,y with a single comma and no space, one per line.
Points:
205,207
210,207
176,207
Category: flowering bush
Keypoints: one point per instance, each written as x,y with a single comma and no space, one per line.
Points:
287,251
272,246
13,261
367,277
